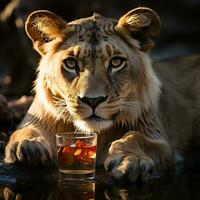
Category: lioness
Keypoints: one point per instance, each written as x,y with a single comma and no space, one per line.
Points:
95,75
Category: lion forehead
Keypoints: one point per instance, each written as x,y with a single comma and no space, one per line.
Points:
94,29
97,37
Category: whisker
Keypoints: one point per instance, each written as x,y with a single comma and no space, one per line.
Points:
62,110
59,99
132,103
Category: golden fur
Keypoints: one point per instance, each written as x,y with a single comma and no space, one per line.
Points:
108,74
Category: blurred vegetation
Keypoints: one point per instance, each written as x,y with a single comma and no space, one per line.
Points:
179,35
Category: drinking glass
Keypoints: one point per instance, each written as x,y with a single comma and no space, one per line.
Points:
76,154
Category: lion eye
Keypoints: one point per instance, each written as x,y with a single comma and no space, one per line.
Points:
70,65
117,63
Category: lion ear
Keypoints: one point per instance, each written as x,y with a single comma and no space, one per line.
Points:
142,24
42,27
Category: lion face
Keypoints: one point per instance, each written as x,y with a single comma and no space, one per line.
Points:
95,72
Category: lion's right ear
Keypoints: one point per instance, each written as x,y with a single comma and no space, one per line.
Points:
142,24
43,26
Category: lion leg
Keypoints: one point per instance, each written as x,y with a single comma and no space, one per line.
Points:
137,156
28,146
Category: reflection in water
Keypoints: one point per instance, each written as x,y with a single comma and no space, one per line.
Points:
181,187
118,194
68,190
73,190
127,193
11,194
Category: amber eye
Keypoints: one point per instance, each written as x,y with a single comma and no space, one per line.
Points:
117,63
70,65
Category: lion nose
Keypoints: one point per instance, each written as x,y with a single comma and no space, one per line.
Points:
93,102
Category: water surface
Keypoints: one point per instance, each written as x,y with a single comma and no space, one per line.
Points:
41,183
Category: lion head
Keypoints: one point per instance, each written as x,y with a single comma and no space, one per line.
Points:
95,72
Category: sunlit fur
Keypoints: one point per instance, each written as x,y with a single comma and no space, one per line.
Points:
131,93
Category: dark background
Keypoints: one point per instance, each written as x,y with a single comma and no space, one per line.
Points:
179,35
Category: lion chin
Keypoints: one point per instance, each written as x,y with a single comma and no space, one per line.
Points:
93,125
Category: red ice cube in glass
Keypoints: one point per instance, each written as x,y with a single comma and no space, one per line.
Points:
65,156
79,144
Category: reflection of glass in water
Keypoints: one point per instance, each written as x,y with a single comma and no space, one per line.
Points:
74,190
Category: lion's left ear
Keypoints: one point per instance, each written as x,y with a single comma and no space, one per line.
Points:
142,24
43,26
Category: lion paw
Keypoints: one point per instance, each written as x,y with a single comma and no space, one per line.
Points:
32,151
126,160
130,167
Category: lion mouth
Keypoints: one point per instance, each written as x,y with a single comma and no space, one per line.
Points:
94,118
93,123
